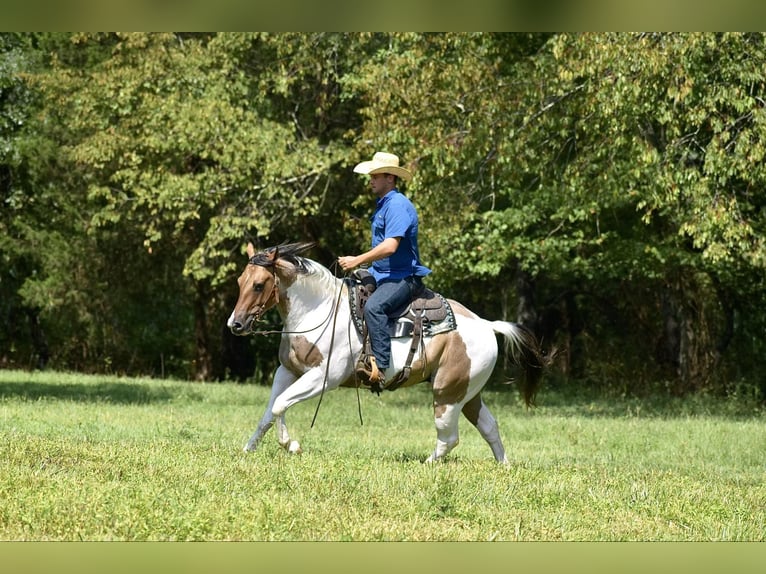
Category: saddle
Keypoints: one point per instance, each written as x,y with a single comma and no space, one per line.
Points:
428,314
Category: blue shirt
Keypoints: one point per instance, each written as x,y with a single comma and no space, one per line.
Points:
395,216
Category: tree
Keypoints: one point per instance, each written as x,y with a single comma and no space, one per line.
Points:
605,189
668,128
619,173
174,141
22,341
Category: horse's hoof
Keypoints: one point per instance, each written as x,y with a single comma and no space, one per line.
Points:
294,447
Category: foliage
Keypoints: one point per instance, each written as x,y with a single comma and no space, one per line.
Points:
172,134
662,127
626,166
22,155
605,189
171,140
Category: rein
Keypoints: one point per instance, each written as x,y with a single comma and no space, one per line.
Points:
327,366
281,331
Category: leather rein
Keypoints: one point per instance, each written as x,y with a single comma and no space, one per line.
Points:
275,294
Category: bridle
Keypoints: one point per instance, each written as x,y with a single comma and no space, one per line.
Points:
261,309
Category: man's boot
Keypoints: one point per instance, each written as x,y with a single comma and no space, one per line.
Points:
368,372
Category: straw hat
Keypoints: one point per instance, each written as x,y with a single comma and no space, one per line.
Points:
383,162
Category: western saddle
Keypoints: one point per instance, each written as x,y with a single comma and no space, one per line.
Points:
428,314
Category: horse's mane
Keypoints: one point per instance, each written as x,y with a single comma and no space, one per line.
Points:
289,252
322,279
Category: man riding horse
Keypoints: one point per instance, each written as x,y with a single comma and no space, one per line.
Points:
394,262
450,347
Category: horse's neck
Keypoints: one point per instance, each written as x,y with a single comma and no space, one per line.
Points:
310,300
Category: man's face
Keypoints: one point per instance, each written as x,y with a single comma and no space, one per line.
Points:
382,183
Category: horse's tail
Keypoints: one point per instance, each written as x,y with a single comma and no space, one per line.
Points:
526,352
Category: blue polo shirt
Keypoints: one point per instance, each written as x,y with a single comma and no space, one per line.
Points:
395,216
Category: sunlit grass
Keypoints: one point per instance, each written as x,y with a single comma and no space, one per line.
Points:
95,458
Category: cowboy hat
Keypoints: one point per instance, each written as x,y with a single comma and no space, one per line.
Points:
383,162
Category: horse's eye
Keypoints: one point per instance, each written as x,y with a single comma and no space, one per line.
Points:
258,287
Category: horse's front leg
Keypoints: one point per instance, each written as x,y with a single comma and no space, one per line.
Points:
282,380
308,386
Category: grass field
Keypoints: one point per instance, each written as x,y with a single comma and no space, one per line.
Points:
100,458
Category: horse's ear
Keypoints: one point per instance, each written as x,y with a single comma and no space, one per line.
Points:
250,250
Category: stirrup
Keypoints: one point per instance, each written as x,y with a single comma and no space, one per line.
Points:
367,370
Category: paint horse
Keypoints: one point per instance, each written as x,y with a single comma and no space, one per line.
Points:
320,346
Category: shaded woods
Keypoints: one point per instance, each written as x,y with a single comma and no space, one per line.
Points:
607,190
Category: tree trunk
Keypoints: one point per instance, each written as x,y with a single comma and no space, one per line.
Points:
203,363
688,340
668,347
39,341
526,312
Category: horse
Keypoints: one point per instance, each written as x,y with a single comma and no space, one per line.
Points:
320,345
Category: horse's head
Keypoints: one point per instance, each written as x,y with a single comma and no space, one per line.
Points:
261,282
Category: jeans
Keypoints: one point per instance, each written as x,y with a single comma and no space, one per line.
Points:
388,299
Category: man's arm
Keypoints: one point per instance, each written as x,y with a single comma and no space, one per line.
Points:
384,249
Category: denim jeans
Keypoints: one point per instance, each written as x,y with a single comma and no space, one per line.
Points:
389,298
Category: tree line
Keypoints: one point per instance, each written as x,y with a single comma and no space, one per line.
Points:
607,190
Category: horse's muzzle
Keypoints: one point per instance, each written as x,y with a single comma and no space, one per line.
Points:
238,327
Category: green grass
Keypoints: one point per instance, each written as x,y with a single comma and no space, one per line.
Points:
99,458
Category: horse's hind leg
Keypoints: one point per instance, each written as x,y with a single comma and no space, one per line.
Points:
446,418
477,412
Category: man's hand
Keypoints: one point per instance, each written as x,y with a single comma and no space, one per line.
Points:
347,262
